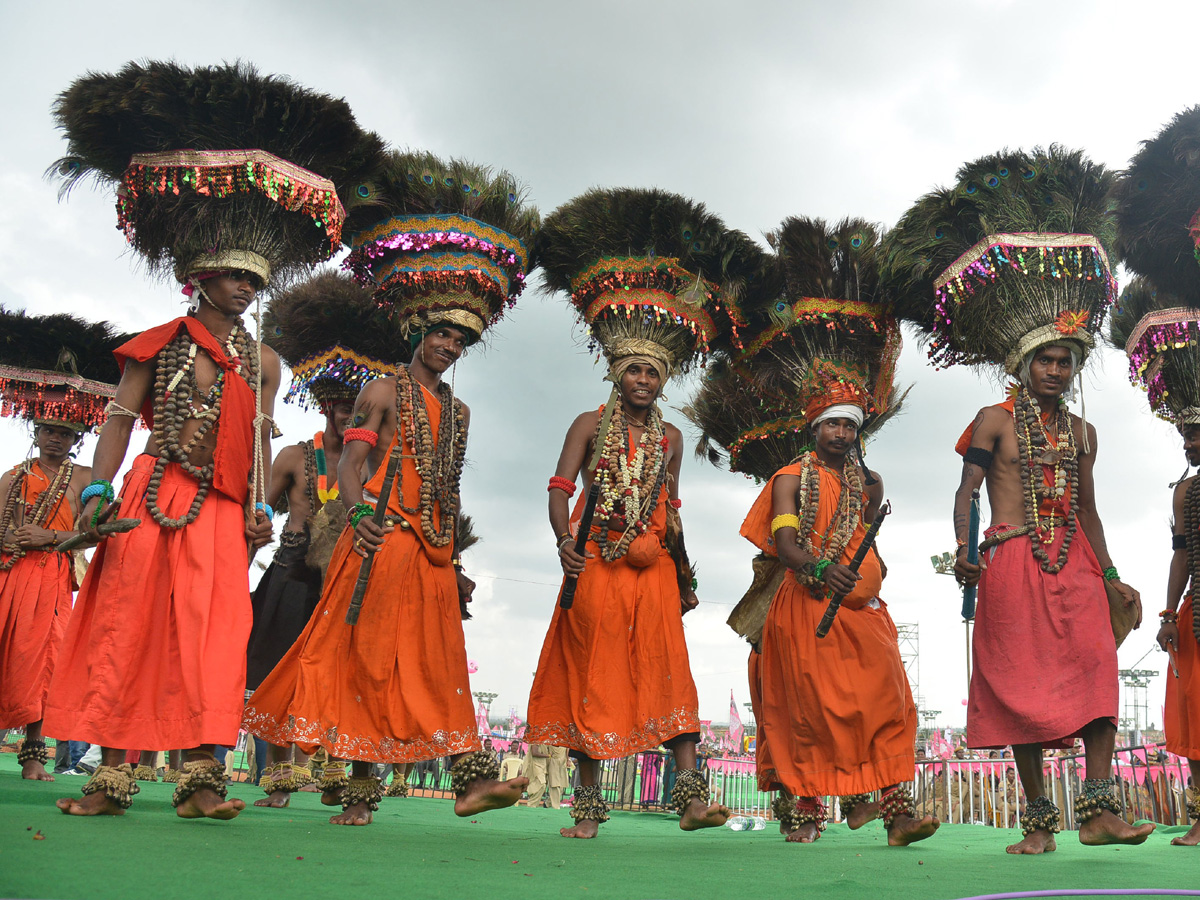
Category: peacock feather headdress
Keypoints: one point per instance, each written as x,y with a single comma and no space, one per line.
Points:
441,240
1158,210
217,167
57,369
1017,255
333,337
1160,334
650,272
824,338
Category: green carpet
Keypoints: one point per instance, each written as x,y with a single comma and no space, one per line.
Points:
417,848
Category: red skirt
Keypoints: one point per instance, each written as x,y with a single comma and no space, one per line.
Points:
1045,660
155,655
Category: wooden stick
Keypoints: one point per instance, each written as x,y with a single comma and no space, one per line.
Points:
364,570
104,529
835,602
567,598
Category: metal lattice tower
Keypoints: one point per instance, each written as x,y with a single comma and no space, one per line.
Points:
1136,709
909,638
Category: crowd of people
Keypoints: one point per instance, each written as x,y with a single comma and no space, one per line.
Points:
350,655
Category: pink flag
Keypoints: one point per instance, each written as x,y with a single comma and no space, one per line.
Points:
481,719
735,725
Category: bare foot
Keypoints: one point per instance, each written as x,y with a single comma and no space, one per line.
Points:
1040,841
97,804
1107,828
275,799
207,804
310,788
484,795
697,815
906,830
1191,839
805,834
332,796
584,828
354,814
35,770
863,813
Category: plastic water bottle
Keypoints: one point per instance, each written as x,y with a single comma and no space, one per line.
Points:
746,823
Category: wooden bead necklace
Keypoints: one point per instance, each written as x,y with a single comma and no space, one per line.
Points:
38,513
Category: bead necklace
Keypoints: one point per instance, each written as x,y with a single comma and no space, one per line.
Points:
177,398
1191,531
1038,450
623,481
37,513
439,465
842,524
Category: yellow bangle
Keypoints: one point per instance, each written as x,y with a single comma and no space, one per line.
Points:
787,520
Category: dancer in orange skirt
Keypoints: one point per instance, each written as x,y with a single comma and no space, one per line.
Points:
613,678
393,686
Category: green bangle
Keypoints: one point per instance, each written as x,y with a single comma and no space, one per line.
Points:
359,512
1110,574
820,567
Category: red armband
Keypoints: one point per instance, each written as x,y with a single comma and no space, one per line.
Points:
566,485
676,503
360,434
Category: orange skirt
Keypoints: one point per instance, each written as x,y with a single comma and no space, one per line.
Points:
392,688
155,655
835,714
613,678
35,604
1182,709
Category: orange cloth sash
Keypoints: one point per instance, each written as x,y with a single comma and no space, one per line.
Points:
234,452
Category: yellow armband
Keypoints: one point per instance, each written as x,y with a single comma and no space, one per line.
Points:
787,520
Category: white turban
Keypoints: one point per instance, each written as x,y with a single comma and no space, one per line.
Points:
840,411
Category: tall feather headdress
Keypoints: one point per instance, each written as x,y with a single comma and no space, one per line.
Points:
333,337
217,167
650,272
1159,208
1160,334
57,369
820,335
440,240
1017,255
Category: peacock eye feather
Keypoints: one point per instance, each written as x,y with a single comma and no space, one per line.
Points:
992,181
1003,171
448,181
833,243
972,187
1029,173
512,197
466,188
363,191
856,240
427,177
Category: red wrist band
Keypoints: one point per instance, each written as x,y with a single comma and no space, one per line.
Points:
676,503
360,434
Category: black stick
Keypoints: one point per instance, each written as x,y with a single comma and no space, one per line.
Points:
968,604
364,570
567,598
868,541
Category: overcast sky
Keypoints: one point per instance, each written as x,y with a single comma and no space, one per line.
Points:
760,110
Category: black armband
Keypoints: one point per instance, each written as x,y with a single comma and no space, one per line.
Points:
1179,542
979,456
